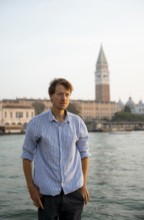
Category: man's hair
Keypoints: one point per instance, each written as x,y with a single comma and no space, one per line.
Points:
59,81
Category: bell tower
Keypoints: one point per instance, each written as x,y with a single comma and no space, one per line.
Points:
102,87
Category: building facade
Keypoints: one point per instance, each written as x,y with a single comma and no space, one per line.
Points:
91,110
139,108
14,116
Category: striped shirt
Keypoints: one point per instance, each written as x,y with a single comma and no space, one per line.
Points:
57,150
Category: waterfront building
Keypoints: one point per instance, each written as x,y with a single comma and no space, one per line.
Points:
135,108
121,104
91,110
130,104
139,108
14,116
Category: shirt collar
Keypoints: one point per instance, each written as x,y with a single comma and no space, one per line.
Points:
52,118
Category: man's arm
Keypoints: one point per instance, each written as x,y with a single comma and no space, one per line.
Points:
33,189
84,191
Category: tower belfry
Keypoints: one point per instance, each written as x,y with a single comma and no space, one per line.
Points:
102,87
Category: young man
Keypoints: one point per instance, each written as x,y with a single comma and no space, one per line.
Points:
57,142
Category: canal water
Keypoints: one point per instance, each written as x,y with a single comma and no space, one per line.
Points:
115,181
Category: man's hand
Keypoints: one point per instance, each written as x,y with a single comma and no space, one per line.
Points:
85,194
35,196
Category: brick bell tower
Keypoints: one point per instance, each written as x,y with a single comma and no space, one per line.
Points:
102,87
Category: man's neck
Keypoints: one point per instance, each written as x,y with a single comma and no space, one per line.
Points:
59,114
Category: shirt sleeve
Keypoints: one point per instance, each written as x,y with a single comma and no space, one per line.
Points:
82,142
30,142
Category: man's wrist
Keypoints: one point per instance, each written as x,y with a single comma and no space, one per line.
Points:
30,185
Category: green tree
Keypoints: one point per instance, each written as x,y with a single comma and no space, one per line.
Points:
127,116
73,108
127,109
39,107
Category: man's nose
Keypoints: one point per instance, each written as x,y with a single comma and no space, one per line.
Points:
64,96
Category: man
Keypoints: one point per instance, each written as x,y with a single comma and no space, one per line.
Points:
57,142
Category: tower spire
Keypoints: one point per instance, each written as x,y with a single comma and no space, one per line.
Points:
101,57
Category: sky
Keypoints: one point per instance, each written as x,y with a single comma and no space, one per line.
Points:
45,39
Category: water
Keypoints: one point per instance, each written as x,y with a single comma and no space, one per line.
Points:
115,182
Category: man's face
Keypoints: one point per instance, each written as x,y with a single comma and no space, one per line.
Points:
60,99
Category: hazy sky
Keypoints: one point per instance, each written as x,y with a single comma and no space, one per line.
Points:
44,39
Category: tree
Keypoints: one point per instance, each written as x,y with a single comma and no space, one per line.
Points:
127,116
39,107
127,109
73,108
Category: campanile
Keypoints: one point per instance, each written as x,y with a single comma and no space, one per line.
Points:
102,87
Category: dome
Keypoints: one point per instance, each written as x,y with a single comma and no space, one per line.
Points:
140,102
130,103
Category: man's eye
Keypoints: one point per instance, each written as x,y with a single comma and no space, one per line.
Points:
60,94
